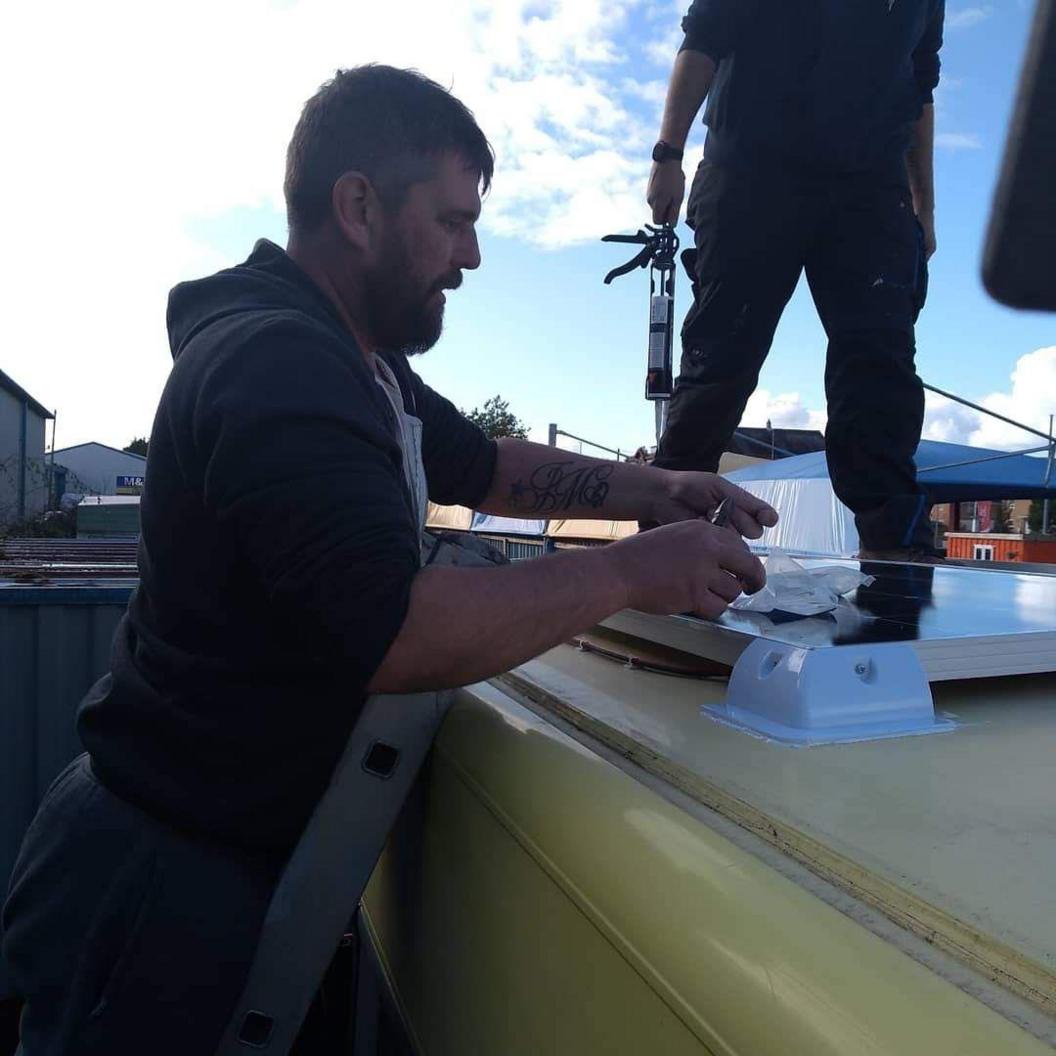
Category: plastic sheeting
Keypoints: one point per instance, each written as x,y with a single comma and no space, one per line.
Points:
813,521
792,588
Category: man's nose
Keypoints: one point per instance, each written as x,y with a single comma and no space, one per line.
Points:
467,252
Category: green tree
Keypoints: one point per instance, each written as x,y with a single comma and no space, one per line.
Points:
1037,510
496,419
1034,517
138,446
1002,518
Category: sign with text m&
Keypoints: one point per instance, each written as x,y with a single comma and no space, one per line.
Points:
129,485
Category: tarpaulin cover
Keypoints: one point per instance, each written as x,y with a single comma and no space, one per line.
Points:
1007,477
813,521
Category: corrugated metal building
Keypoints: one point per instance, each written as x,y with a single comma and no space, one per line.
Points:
94,469
23,467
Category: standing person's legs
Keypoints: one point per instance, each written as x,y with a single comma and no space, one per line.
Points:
749,237
867,273
124,935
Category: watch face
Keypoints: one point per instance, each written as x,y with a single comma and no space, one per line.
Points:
665,152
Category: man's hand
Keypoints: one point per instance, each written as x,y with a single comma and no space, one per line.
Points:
692,566
920,159
686,495
667,187
927,222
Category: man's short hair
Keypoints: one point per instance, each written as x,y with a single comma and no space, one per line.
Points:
391,125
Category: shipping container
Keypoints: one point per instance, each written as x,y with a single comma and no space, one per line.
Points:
108,517
54,644
1001,547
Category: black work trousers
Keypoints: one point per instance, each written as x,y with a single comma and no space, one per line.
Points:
124,935
860,243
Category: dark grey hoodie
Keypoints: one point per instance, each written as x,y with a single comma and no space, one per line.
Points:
276,559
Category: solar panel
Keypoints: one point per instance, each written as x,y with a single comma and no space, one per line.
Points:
962,622
868,664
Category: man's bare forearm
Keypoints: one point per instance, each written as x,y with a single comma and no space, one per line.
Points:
536,481
920,164
686,91
467,624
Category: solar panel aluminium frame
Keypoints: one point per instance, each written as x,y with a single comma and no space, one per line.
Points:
967,623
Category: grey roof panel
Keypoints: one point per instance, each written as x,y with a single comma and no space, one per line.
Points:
10,385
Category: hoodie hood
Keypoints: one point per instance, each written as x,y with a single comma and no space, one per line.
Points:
267,281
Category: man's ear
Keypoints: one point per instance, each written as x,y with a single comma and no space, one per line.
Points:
356,209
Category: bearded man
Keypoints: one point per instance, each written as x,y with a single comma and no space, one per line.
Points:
282,582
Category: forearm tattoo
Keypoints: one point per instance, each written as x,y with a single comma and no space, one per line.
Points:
558,486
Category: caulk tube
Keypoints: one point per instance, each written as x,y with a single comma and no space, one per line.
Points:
658,379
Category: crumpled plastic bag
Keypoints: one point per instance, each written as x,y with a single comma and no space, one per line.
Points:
801,591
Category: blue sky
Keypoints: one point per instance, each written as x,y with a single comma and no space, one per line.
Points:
178,144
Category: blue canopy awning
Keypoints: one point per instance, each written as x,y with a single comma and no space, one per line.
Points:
1001,476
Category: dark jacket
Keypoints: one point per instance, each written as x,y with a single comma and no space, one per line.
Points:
817,85
276,559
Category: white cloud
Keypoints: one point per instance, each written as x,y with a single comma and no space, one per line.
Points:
967,17
786,410
958,141
1031,399
663,49
650,91
947,93
128,124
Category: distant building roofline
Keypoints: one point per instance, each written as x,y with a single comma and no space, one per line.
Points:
779,441
987,535
95,443
761,430
10,385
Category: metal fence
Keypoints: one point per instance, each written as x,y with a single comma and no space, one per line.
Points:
522,549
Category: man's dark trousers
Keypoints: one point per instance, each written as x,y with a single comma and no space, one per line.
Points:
128,936
860,244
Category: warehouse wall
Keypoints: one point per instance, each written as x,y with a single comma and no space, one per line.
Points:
36,467
96,467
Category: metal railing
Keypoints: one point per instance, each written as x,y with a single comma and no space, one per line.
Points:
555,433
1049,446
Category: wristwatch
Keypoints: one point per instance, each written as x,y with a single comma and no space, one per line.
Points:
665,152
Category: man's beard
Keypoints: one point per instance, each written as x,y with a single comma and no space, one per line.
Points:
403,314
